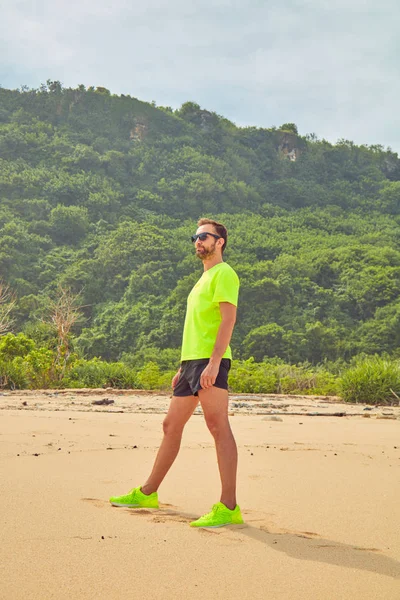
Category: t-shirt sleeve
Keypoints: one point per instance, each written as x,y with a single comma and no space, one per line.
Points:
227,287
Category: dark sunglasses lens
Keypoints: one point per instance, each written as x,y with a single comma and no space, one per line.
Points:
199,236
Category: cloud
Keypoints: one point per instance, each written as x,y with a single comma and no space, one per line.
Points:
331,67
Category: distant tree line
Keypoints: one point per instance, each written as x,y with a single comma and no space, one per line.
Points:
100,193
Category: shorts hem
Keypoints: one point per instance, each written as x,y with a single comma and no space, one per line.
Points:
220,387
196,392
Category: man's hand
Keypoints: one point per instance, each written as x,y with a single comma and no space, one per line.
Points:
175,379
228,317
209,375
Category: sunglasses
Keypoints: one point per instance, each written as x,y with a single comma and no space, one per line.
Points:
203,236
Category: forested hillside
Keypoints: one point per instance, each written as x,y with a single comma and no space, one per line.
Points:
100,193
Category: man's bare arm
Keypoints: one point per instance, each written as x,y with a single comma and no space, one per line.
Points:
228,316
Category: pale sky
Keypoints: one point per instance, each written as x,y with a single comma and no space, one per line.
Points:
331,67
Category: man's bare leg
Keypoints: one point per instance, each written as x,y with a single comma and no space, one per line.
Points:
214,402
180,411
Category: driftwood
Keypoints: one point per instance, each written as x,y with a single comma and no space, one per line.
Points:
104,402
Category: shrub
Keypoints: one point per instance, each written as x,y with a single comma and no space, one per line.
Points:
15,345
326,384
151,378
250,377
13,374
98,373
371,381
40,368
43,334
120,376
35,370
166,359
303,379
22,365
273,376
86,373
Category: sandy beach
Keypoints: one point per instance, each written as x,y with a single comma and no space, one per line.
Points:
318,484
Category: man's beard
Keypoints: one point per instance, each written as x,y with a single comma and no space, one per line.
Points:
205,254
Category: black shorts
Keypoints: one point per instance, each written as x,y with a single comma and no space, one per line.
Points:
191,370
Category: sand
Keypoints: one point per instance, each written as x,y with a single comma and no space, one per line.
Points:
320,495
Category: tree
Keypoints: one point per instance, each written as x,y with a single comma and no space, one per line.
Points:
8,301
64,312
292,127
266,340
68,224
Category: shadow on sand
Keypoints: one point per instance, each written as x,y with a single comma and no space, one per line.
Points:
302,546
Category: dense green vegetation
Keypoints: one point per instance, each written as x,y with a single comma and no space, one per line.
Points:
100,193
26,364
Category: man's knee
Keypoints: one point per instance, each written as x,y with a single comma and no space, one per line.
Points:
172,426
217,424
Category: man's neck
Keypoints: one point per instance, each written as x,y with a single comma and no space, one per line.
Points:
209,264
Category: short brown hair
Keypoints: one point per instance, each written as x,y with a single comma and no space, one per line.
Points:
219,228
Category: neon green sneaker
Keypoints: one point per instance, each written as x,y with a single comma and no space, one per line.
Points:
219,516
136,499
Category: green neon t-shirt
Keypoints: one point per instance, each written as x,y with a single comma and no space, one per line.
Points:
203,315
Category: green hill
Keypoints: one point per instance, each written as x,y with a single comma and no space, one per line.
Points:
100,193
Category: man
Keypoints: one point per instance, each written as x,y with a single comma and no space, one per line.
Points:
203,376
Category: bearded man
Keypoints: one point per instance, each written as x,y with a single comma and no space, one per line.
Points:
202,377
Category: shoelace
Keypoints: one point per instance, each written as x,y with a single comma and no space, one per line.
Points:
214,510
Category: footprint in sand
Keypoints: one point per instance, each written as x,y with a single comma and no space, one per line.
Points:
139,511
310,534
96,502
281,531
167,513
169,518
206,531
